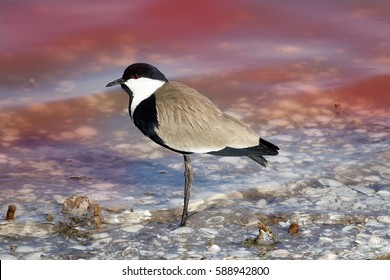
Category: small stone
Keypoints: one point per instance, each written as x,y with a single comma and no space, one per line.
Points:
34,256
376,241
215,220
348,228
325,240
330,183
294,228
372,178
113,219
385,173
214,249
132,228
330,256
384,219
11,212
100,236
171,256
183,230
7,257
239,254
24,249
261,203
386,249
363,189
280,253
209,231
383,193
50,217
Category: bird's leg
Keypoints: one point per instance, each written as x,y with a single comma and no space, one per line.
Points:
189,177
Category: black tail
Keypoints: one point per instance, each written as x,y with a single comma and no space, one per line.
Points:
265,148
254,153
259,159
271,148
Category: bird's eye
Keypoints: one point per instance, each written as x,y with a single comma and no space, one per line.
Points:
136,76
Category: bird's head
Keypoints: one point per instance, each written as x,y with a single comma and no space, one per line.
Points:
140,78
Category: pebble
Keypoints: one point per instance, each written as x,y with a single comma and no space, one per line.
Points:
348,228
363,189
27,189
385,249
215,220
214,249
79,247
7,257
383,193
280,253
330,256
171,256
131,250
183,230
289,174
209,231
373,178
261,203
34,256
113,219
240,254
132,228
384,219
24,249
373,223
330,183
325,240
385,173
100,235
376,241
358,205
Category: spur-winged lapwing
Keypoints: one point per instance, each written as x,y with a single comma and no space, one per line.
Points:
181,119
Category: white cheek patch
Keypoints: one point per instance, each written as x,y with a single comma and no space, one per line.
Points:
142,88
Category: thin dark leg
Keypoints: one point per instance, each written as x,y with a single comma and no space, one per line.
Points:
189,177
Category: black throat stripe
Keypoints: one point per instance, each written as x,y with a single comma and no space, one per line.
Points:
145,119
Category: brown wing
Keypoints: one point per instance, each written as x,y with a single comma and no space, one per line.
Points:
190,122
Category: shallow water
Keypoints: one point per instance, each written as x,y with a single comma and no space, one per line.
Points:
311,78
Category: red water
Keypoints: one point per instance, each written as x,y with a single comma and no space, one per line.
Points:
51,42
305,53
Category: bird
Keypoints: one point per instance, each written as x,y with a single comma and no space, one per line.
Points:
183,120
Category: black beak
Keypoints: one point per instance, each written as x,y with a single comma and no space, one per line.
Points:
116,82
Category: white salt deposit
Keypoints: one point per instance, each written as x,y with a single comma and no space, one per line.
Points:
132,228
